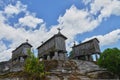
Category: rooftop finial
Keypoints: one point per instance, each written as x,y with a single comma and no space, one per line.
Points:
59,30
42,42
74,43
26,40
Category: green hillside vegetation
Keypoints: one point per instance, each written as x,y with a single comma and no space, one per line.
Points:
34,67
110,59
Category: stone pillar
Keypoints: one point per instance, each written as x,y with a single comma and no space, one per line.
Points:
96,57
17,59
86,57
61,56
65,54
91,59
48,57
55,56
21,59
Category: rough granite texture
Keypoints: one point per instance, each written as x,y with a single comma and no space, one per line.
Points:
71,70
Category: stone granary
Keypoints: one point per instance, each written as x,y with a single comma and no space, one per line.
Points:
54,48
17,61
20,53
84,51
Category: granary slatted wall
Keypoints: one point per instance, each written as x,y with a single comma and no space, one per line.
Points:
87,48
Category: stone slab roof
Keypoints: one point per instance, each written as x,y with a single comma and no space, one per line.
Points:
56,35
86,42
26,43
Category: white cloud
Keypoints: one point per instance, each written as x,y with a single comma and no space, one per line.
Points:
107,39
76,21
97,5
106,8
19,35
2,18
112,9
3,46
15,9
87,1
12,34
5,55
30,21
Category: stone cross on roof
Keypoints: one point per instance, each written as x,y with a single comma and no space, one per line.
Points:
42,42
26,40
74,43
59,30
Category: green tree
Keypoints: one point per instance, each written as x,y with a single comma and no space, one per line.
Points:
71,54
34,67
110,59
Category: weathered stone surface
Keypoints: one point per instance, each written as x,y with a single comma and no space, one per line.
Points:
18,66
70,70
101,75
80,70
61,56
87,66
53,78
13,79
56,56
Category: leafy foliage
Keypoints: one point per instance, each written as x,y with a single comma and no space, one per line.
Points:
110,59
33,66
71,54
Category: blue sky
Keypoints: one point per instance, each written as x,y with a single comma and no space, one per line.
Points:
38,20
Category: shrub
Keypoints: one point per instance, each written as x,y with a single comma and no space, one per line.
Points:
34,67
110,59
